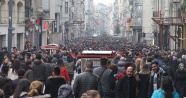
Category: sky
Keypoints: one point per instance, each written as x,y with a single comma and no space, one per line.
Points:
103,1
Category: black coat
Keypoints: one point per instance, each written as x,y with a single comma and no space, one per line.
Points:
52,85
143,85
126,87
84,82
180,82
6,86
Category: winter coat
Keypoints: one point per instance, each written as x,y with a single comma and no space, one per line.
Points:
29,75
84,82
64,72
151,86
169,70
52,85
107,80
15,82
143,85
174,64
40,96
70,66
121,66
50,67
65,91
126,87
40,71
6,86
180,82
160,94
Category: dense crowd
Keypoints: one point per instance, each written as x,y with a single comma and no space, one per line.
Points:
137,71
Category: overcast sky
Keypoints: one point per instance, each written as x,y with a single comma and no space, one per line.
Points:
103,1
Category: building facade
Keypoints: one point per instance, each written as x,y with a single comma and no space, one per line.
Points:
18,23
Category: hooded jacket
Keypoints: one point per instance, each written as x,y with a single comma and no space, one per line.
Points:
160,94
52,85
159,75
40,71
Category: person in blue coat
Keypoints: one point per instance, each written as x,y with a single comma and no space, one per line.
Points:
166,90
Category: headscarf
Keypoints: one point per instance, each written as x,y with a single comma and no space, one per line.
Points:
181,64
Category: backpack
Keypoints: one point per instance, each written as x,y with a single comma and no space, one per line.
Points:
65,91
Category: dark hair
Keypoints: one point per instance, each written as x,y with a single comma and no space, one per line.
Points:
56,70
149,59
167,87
104,62
16,66
5,69
114,68
154,63
69,59
27,63
50,59
38,56
23,85
21,72
60,62
89,64
90,94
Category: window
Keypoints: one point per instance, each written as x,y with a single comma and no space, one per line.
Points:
72,2
66,7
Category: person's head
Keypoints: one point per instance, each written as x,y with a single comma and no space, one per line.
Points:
155,66
145,69
21,72
114,68
166,85
91,94
69,59
34,55
2,94
104,62
122,59
36,88
50,59
23,86
6,60
129,71
60,62
56,71
5,69
28,63
38,56
181,67
88,65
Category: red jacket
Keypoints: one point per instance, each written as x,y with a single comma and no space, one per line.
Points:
64,72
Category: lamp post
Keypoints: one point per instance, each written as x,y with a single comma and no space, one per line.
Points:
10,27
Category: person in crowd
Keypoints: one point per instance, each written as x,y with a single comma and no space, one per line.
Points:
5,82
85,81
183,60
71,67
174,63
156,59
144,76
28,71
2,95
1,57
20,73
54,82
78,66
50,64
91,94
64,70
6,62
106,80
13,71
22,89
126,87
114,68
39,69
166,90
155,78
36,90
167,68
139,64
180,80
148,62
120,65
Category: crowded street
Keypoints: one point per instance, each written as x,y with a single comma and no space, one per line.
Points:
92,48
